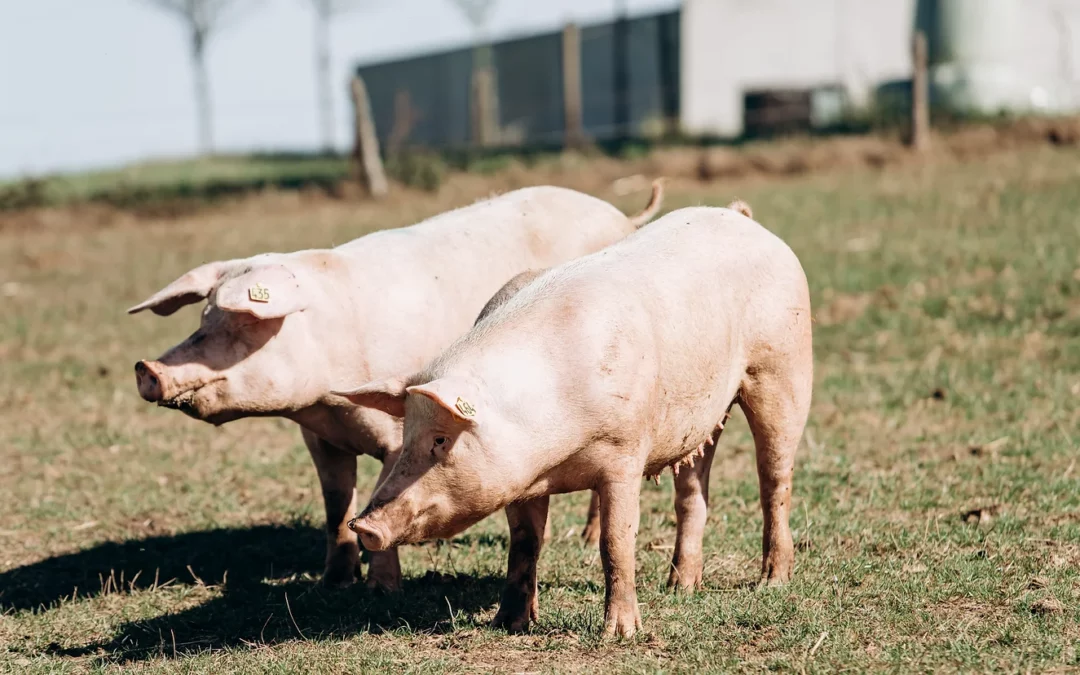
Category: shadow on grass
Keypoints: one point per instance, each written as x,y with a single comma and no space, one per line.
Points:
267,580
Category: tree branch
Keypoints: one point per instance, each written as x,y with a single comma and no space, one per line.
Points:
476,12
205,16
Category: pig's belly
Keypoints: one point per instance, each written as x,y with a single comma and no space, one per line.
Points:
686,424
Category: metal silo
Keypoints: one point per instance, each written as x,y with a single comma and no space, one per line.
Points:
972,50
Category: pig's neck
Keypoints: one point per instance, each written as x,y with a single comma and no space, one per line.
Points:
350,428
331,418
344,425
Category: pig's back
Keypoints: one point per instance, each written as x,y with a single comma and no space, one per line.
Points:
548,225
422,286
708,291
696,266
654,333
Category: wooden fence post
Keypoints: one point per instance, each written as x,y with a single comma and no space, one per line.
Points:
574,124
920,94
366,149
484,111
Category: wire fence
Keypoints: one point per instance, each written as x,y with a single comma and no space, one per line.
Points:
630,89
629,86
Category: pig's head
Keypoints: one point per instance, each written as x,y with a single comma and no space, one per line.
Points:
254,350
450,474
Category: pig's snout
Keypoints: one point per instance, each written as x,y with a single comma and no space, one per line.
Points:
373,536
149,377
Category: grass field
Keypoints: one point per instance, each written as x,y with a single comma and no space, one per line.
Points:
937,499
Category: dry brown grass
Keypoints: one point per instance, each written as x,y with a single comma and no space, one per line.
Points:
947,301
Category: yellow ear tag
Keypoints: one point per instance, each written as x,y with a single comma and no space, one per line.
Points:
258,293
464,407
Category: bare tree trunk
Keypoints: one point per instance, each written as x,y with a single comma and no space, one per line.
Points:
202,19
202,94
322,75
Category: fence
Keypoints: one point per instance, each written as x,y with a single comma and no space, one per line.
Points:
627,85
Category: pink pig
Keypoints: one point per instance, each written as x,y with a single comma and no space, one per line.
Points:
602,370
279,330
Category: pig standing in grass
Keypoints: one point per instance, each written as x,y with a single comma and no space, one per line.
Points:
591,533
278,329
601,371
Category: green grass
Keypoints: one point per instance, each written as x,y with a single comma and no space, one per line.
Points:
192,180
937,499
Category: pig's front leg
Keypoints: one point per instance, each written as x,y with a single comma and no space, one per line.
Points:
337,477
384,567
619,515
519,604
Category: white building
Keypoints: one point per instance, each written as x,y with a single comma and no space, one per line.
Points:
985,54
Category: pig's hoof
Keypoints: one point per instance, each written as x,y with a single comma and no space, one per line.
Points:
770,579
622,622
516,612
338,578
684,578
512,622
770,582
385,583
776,572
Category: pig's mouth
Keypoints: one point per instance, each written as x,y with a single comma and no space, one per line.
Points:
184,401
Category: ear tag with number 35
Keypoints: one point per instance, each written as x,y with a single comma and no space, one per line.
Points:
259,293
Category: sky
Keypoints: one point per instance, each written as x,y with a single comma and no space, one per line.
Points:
100,83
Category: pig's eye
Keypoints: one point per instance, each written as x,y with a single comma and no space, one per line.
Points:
438,444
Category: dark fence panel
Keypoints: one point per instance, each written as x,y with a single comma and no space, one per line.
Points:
428,96
431,91
530,89
652,75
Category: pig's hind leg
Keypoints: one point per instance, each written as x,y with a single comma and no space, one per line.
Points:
591,534
337,477
519,604
775,398
691,512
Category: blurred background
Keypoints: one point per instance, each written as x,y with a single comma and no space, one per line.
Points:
105,84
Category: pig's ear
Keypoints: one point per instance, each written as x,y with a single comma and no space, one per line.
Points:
449,396
188,289
385,395
266,292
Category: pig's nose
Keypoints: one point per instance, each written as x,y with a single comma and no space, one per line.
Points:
372,536
148,377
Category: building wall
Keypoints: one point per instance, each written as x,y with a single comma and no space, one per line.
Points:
696,65
731,46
